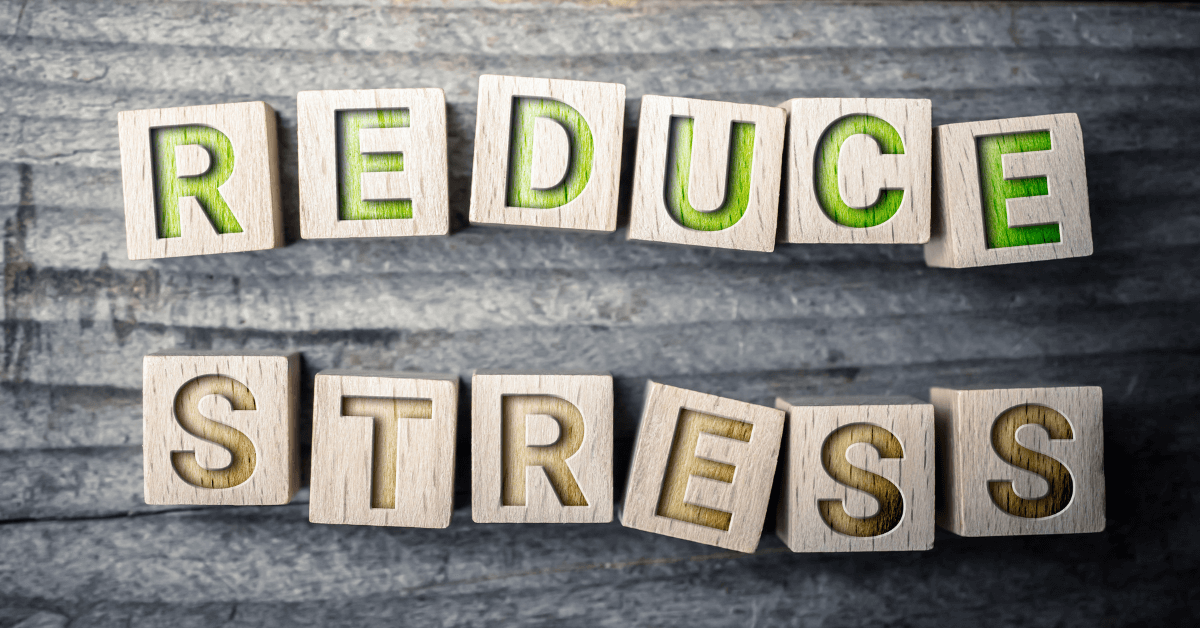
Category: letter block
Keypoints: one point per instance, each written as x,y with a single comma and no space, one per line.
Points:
200,180
547,153
373,163
858,171
858,475
220,428
1009,191
702,468
541,448
1020,461
707,173
383,448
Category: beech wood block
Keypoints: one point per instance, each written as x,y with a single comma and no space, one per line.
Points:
858,475
547,153
702,468
373,163
707,173
220,428
541,448
383,448
200,180
1009,191
1020,461
858,171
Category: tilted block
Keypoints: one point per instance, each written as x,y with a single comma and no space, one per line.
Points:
707,173
1020,461
383,448
200,180
858,171
373,163
1009,191
702,468
858,475
541,448
219,428
547,153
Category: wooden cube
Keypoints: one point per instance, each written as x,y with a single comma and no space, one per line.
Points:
220,428
1009,191
707,173
702,468
541,448
1020,460
858,475
383,448
373,163
858,171
547,153
200,180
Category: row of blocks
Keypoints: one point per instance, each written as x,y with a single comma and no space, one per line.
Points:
858,473
373,163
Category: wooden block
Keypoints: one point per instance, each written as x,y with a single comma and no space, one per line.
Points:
858,171
541,448
200,180
858,475
547,153
1020,461
383,448
220,428
702,468
707,173
1009,191
373,163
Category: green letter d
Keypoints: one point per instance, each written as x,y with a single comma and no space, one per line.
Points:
520,191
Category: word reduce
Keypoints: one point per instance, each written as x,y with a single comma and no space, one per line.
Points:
858,473
373,163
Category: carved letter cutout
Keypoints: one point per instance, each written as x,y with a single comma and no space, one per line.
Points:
220,428
1020,460
541,448
702,468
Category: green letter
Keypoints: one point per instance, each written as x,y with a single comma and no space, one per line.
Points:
737,182
997,190
352,163
520,156
826,183
170,187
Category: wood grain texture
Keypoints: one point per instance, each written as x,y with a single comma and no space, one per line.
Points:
961,239
220,429
709,157
810,481
80,543
592,207
974,455
568,481
678,427
250,187
423,180
383,448
865,174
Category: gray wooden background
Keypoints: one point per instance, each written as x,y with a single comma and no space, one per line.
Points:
79,547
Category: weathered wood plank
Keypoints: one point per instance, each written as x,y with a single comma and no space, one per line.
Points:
492,301
769,74
280,567
642,27
108,352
